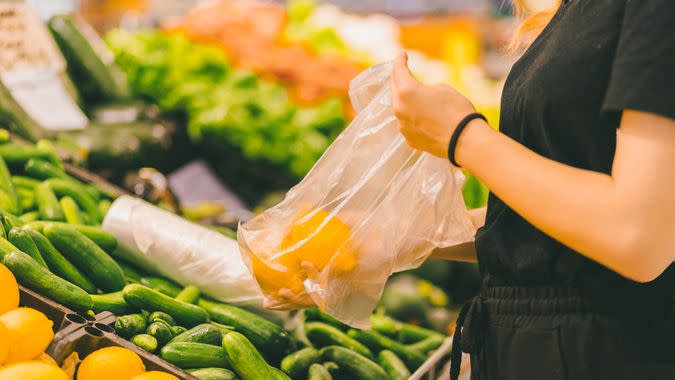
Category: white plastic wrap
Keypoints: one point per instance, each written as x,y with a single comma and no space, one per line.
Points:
167,244
371,206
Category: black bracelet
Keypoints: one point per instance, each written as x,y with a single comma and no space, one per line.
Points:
458,131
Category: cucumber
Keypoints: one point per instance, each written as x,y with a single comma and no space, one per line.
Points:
16,155
161,316
104,206
194,355
315,314
204,333
145,298
146,342
278,374
87,257
189,294
245,358
161,331
20,238
10,221
90,64
332,367
269,337
30,216
70,210
427,345
356,365
131,273
34,276
297,364
7,186
129,325
26,199
385,325
177,330
6,247
300,337
84,200
98,235
412,333
319,372
48,204
42,170
378,342
393,365
112,302
212,374
3,233
24,182
4,136
46,146
58,264
161,284
321,334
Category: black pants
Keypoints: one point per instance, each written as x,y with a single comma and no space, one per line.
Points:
555,334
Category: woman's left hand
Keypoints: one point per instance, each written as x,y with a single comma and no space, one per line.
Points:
427,114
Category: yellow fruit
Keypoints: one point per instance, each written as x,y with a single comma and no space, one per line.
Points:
32,370
46,359
4,343
155,375
9,297
111,363
30,332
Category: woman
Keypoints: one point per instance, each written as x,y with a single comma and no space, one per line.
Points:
579,240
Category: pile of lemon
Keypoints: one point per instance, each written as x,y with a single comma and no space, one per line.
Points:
25,333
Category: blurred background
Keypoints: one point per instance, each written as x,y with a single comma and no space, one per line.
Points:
214,109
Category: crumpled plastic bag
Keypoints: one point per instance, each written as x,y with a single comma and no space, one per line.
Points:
371,206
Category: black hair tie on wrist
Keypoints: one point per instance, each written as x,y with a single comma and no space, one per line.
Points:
458,131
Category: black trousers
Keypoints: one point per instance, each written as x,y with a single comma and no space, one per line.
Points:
555,334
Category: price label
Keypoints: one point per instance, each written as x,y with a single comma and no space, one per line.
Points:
31,67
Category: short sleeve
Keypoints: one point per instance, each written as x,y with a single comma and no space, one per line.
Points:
643,72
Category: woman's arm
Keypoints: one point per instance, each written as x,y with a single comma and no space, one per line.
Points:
625,221
465,252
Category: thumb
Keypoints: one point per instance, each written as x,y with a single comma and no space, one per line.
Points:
402,76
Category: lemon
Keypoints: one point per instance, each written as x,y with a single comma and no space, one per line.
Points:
4,343
32,370
155,375
114,363
46,359
9,297
30,332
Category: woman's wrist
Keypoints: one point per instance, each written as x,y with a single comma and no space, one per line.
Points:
473,143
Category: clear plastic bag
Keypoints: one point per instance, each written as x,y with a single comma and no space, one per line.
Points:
371,206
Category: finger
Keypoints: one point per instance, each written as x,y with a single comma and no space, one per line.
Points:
309,268
403,78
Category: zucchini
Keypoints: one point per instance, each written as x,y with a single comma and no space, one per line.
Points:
90,64
245,358
30,216
393,365
149,299
58,264
7,186
48,204
24,182
378,342
112,302
321,334
194,355
87,256
161,316
20,238
70,210
212,374
34,276
189,294
146,342
81,196
161,331
177,330
356,365
98,235
427,345
269,337
319,372
315,314
204,333
130,325
297,364
161,285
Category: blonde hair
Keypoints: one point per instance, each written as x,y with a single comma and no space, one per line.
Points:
532,25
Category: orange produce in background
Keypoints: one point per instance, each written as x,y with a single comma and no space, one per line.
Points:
9,298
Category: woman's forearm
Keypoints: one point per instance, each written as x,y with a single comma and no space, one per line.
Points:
595,214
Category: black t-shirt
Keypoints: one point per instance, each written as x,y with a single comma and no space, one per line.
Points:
563,99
